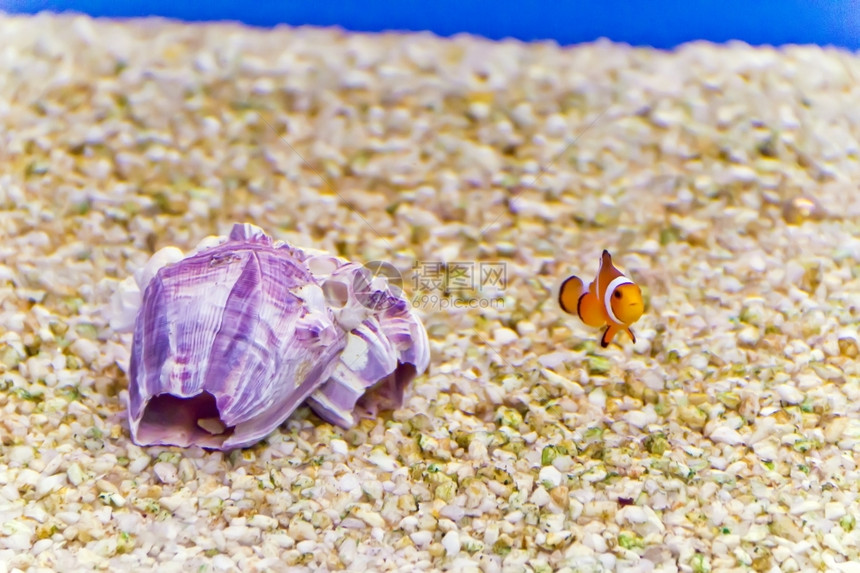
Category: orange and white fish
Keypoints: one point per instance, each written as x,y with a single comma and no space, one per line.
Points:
611,299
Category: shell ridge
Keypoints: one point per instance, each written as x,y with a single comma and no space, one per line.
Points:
228,353
275,325
410,339
154,348
198,317
285,403
265,370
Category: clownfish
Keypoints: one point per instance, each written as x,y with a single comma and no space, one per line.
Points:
611,299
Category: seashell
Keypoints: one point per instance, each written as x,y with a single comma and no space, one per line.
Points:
230,339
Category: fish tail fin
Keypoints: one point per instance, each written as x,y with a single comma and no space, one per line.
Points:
569,294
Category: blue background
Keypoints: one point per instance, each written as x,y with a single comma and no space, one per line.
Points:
658,23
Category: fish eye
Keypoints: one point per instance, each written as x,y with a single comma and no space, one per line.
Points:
617,294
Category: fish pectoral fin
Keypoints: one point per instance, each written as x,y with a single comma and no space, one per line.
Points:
590,310
609,334
632,336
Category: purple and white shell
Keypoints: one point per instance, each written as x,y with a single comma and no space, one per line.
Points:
232,338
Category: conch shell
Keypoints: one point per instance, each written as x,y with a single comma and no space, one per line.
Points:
232,338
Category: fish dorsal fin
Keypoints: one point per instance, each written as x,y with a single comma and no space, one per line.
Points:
606,274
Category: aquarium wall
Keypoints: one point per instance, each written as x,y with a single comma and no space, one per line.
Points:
661,24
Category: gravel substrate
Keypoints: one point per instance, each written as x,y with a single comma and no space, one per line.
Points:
724,180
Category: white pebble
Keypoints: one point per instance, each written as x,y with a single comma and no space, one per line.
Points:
348,483
261,521
301,530
21,455
242,534
523,115
68,517
451,542
372,488
597,397
50,484
347,550
766,449
222,562
166,472
550,477
479,110
749,336
85,349
805,506
741,173
422,538
640,418
834,510
595,541
37,513
41,546
504,336
789,394
306,546
408,523
554,359
383,461
540,497
75,474
555,125
27,477
339,447
726,435
453,512
525,328
137,465
631,514
17,541
172,502
369,517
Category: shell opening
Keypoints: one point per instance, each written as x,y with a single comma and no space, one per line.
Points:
387,394
169,419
